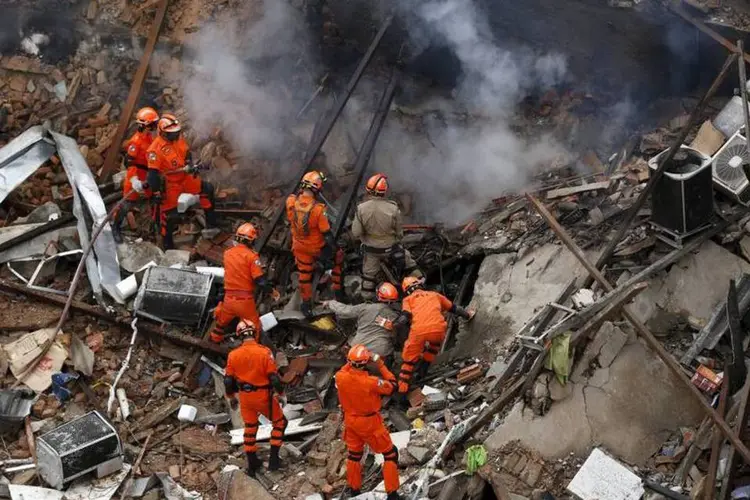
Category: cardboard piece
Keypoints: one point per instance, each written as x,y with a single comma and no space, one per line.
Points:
22,352
709,139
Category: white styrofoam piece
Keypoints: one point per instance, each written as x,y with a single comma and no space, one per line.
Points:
187,413
264,431
400,441
601,476
268,321
427,390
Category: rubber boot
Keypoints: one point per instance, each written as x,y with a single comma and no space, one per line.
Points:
393,496
274,463
117,234
253,463
307,309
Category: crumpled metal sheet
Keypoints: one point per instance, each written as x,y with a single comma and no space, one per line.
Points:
21,157
88,207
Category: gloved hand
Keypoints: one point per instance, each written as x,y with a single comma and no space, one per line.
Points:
233,403
403,387
470,313
137,185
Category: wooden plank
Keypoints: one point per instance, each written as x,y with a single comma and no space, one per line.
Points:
709,486
680,11
739,429
110,163
642,330
611,309
157,416
594,186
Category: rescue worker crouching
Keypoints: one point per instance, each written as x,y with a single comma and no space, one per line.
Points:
136,164
377,223
243,272
379,324
425,310
251,372
171,172
313,242
360,398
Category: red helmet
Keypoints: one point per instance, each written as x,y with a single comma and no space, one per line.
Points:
377,185
246,233
359,355
146,117
313,180
410,284
169,126
387,293
246,328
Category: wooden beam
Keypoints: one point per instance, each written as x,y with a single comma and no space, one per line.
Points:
739,429
645,334
567,191
709,486
110,163
680,11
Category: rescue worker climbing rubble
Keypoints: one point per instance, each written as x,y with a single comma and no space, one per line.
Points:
425,310
360,397
378,324
377,223
251,372
136,165
313,242
243,273
171,172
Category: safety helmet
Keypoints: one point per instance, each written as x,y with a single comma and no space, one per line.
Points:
246,328
387,292
146,117
410,284
377,185
359,355
313,180
170,127
246,233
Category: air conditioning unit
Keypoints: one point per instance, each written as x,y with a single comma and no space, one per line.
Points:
728,174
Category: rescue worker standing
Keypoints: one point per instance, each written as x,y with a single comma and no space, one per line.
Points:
251,372
243,272
359,396
378,324
428,326
136,164
313,245
170,161
377,223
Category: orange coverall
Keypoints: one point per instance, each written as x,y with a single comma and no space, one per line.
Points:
309,224
136,162
359,396
250,365
428,327
242,267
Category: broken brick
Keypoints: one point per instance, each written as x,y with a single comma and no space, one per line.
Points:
469,374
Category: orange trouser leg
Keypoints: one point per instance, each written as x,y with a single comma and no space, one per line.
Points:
250,417
230,308
418,346
355,446
258,402
277,418
371,431
305,266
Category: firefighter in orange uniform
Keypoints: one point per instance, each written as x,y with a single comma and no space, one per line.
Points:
359,396
243,272
425,310
312,239
251,373
136,164
170,167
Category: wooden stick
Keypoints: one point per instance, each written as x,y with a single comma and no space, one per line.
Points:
709,486
647,336
136,466
667,158
739,428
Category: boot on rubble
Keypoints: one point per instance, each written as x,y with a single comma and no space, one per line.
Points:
274,463
307,309
393,496
253,463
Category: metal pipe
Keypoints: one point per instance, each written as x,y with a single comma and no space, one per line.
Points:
743,90
319,139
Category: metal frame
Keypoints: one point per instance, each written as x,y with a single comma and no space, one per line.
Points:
35,275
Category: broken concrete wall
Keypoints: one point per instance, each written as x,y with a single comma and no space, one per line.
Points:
629,406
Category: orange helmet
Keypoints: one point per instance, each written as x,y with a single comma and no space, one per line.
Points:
169,126
246,328
246,233
313,180
377,185
359,355
410,284
387,293
146,117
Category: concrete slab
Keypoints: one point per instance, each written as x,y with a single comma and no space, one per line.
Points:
607,414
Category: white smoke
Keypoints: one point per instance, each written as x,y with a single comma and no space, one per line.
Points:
245,81
463,166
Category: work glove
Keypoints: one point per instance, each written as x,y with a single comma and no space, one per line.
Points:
470,313
403,387
137,185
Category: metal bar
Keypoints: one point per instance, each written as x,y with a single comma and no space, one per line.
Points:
739,430
743,90
709,488
318,141
647,336
737,366
110,163
680,11
656,175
